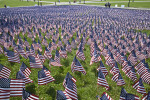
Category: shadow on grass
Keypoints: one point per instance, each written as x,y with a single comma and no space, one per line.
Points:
78,74
31,88
79,97
51,92
58,78
61,70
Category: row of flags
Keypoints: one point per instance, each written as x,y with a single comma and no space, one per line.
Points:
108,32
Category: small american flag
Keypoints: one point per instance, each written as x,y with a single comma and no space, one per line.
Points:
63,52
80,53
4,71
95,58
114,69
131,74
13,57
123,94
47,53
26,71
105,96
102,68
15,86
131,97
22,52
62,95
57,57
27,96
71,89
68,47
76,66
146,96
44,77
101,80
139,87
40,56
35,62
54,63
26,79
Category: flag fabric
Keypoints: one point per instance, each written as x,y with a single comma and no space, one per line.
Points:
32,51
57,57
146,76
105,96
22,52
44,77
25,70
80,53
4,95
95,58
28,96
123,94
13,57
131,74
62,95
62,52
101,80
68,46
118,78
35,62
131,97
59,44
4,72
132,58
14,86
110,59
114,69
102,68
47,53
70,77
26,79
126,66
76,66
139,86
41,57
146,96
71,89
54,63
1,50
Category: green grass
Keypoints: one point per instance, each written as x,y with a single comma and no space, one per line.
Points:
132,4
18,3
87,87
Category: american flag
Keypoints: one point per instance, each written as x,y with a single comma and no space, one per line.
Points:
146,76
101,80
118,78
131,74
57,57
26,71
44,42
26,79
47,53
22,52
59,44
139,87
32,51
62,95
35,62
126,66
13,57
40,56
80,53
54,46
110,59
44,77
71,89
4,71
123,94
76,66
54,63
102,68
105,96
132,58
68,47
114,69
95,58
50,47
4,95
73,44
131,97
70,77
26,43
28,96
146,96
39,45
14,86
27,51
63,52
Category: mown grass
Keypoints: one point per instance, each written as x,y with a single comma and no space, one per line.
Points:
132,4
18,3
87,87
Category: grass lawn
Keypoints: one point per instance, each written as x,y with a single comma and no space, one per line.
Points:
87,87
132,4
17,3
